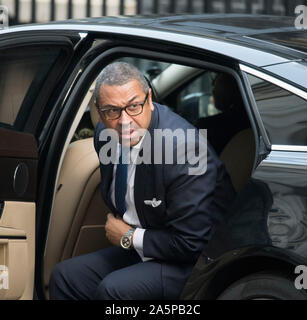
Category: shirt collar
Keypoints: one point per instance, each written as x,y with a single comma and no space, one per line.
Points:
138,145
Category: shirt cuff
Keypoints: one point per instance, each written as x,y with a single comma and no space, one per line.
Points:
138,237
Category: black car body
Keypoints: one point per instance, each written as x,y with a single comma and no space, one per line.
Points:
264,232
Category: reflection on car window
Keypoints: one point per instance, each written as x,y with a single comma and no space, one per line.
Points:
150,68
22,73
196,99
284,114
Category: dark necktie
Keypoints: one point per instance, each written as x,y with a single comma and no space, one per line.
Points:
121,182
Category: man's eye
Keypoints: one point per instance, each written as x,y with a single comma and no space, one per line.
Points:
110,111
133,106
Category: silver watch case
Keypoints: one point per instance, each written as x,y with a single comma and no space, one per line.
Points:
126,240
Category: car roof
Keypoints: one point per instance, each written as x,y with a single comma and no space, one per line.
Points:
258,40
255,30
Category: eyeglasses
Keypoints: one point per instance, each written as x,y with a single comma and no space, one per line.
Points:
115,113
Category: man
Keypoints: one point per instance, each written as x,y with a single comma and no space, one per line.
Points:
161,215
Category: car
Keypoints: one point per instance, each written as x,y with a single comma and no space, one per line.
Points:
51,208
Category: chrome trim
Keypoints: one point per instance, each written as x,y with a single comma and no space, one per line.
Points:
285,159
255,111
83,35
275,81
277,147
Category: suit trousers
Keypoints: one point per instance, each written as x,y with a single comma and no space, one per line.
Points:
110,274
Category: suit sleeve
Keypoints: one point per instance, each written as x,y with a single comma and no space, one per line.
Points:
192,212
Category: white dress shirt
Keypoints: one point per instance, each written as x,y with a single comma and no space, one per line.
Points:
130,216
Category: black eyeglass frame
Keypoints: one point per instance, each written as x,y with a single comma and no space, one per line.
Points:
120,109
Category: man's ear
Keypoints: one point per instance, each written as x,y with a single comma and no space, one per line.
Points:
150,99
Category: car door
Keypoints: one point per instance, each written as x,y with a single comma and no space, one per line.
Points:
31,66
281,110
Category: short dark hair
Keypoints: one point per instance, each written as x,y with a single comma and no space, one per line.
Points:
118,74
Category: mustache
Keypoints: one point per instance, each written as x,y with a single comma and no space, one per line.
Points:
126,128
137,131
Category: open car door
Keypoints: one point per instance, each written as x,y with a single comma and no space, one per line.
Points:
31,66
18,164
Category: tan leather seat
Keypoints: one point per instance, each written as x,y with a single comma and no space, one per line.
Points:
79,213
238,156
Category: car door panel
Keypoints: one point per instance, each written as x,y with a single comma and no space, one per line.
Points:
17,250
31,67
18,155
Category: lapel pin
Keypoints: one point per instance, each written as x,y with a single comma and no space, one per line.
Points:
154,202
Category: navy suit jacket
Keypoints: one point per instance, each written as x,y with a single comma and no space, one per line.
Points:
192,205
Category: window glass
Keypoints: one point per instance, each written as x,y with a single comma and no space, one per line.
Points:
22,74
284,114
150,68
196,100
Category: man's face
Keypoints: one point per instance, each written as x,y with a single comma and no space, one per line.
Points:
129,128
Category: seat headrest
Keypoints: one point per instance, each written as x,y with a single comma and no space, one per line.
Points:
238,157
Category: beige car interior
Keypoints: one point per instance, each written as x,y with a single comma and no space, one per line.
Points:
17,250
14,75
79,213
17,222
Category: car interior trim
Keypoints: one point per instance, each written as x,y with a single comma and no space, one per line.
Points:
69,137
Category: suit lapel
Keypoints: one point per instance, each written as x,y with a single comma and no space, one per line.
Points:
139,189
142,170
106,179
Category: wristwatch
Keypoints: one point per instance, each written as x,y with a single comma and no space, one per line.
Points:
126,239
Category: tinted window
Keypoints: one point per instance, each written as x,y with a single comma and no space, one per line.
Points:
196,99
22,74
150,68
284,114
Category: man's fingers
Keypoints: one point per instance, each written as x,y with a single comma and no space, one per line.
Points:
110,216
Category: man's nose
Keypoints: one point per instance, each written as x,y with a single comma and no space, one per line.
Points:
124,118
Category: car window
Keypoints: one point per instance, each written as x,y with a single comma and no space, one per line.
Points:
284,114
22,74
196,100
150,68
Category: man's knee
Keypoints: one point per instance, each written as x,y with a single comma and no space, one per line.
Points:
108,290
65,281
128,284
56,280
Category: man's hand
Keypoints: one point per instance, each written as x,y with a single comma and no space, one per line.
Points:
115,229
